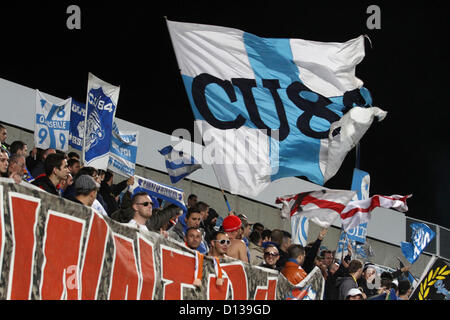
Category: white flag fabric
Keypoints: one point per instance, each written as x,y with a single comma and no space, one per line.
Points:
321,207
101,105
52,124
353,125
282,93
123,151
357,212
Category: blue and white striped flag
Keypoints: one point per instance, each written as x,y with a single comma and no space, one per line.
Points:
178,164
52,124
299,228
123,151
264,106
101,105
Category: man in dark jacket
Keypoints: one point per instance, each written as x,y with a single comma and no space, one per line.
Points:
110,191
344,284
56,170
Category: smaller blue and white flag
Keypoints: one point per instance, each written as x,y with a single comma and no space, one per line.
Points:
52,123
123,151
76,133
299,228
158,190
178,163
421,237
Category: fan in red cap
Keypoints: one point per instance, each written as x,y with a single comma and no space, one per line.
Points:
231,223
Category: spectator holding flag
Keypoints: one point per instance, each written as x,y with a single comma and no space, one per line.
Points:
355,269
110,192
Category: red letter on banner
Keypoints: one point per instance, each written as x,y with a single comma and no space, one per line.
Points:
125,278
238,279
93,258
177,269
216,292
267,293
24,211
147,268
62,256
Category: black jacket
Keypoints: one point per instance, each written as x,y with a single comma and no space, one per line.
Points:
44,183
109,194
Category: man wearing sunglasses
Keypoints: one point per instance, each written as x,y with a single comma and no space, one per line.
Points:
142,206
219,244
271,256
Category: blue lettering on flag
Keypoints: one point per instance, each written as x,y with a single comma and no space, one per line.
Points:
100,114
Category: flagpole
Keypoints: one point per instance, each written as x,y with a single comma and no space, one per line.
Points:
226,201
358,156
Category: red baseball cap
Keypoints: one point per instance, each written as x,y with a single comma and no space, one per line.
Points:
231,223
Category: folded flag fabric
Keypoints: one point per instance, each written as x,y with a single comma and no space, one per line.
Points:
321,207
282,94
359,211
178,163
421,237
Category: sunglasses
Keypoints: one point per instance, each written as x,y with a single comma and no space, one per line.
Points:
273,254
223,241
146,203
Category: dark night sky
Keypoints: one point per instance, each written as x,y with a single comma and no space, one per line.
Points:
406,70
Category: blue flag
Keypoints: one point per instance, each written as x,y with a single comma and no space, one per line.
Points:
77,115
421,237
178,164
102,99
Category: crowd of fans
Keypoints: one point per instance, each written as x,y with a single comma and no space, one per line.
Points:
201,228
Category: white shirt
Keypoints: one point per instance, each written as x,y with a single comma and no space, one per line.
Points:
99,208
141,227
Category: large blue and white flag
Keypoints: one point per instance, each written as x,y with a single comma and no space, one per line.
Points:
264,106
178,163
158,190
52,124
101,103
360,184
123,151
421,237
77,116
